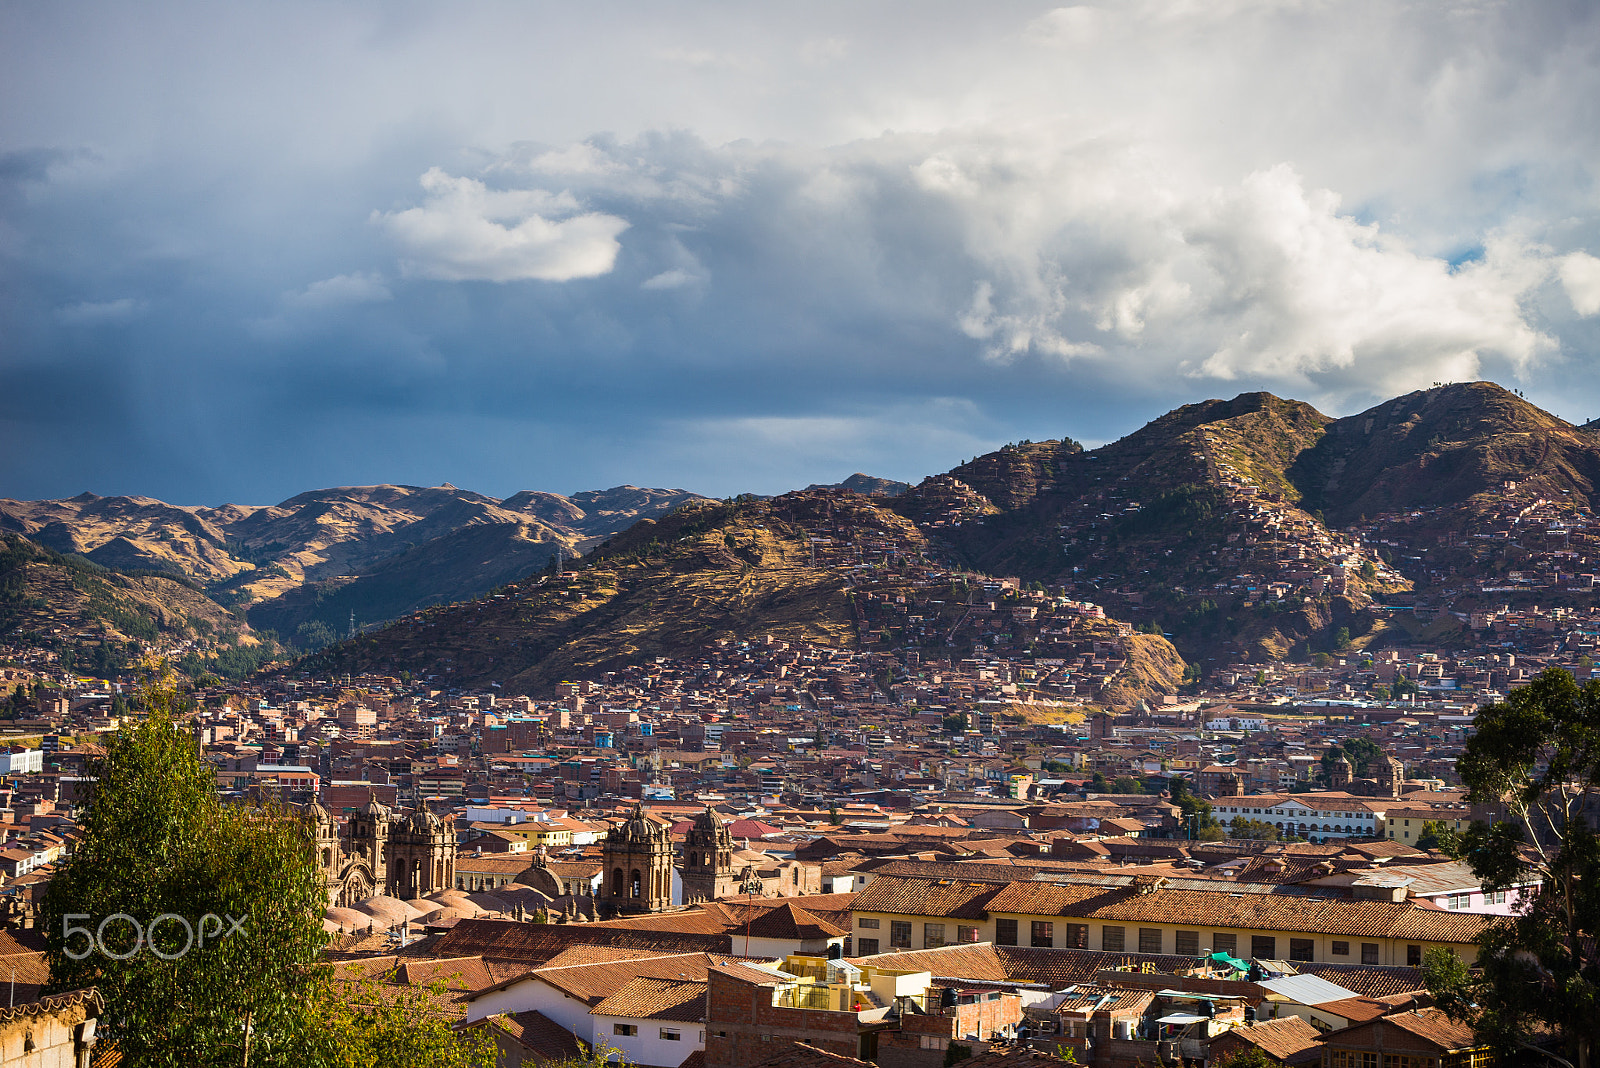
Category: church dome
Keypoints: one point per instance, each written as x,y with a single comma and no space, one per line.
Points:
374,809
424,822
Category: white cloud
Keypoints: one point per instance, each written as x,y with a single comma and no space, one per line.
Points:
468,232
673,279
96,313
357,288
1580,277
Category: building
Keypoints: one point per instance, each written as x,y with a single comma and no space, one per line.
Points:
638,866
403,856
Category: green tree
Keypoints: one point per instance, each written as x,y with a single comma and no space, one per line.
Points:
229,973
955,1053
1254,830
157,841
1368,571
1435,834
1127,784
954,721
1341,639
1099,785
1533,759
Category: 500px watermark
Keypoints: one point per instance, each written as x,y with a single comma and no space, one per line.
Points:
145,935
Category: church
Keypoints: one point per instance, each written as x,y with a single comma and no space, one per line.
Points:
382,852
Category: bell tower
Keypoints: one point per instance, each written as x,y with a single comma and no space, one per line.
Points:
638,866
708,861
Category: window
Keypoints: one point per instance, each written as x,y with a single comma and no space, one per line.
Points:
1005,932
1263,947
1075,936
932,935
966,934
1186,943
900,934
1225,943
930,1042
1369,953
624,1029
1498,897
1111,939
671,1034
869,923
1458,901
1341,949
1149,940
869,947
1302,949
1414,956
1044,934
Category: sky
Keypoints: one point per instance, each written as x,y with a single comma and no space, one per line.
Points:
251,249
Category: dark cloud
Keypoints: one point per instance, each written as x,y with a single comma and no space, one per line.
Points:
397,249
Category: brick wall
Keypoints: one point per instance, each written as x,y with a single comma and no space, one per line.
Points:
744,1028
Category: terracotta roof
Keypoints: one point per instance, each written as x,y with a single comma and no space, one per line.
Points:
1281,1038
1431,1025
541,1036
647,998
536,943
1015,1057
955,898
1312,913
801,1055
790,921
696,1059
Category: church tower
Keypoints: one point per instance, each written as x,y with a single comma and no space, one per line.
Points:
422,858
708,873
1341,774
638,866
368,832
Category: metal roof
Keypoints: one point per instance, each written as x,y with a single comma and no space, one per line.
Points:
1307,989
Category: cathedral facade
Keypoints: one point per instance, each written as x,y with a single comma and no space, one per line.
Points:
638,866
382,852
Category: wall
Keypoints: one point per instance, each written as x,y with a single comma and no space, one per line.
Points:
743,1027
648,1047
51,1024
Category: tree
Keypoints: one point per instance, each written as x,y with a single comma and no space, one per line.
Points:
1254,830
1341,639
157,841
1533,760
200,923
1368,571
1127,784
1099,785
1435,834
1250,1057
954,721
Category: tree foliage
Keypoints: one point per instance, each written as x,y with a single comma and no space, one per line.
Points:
157,841
1535,762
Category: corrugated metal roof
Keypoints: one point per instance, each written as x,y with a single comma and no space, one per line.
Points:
1307,989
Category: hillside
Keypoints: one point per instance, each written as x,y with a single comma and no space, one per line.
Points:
867,486
303,566
100,619
1449,447
662,588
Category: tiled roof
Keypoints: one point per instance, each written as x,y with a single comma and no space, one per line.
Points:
536,943
1280,1038
955,898
791,921
647,998
541,1035
800,1055
1308,913
1016,1057
1430,1025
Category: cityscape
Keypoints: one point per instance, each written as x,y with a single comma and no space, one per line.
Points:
891,536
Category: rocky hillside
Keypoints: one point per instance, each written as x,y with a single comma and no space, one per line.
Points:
98,618
303,566
708,571
1450,447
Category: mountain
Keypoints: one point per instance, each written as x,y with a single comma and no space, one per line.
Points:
99,618
301,567
665,587
825,566
867,486
1450,447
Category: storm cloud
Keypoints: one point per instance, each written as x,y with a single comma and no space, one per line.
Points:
249,250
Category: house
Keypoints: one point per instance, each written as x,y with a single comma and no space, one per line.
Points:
1290,1040
1419,1038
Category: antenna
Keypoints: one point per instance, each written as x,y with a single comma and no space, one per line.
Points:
558,562
352,623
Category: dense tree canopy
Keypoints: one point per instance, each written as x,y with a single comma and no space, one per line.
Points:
1534,763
